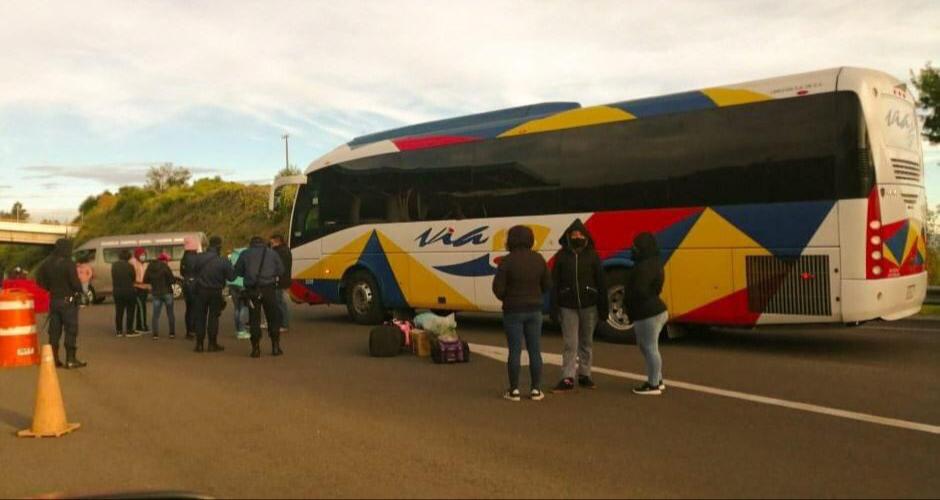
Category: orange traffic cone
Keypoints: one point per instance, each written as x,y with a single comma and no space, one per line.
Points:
49,417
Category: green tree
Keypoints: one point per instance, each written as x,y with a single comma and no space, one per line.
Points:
162,177
288,171
16,213
927,83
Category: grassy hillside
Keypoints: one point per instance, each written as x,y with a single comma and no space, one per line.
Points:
234,211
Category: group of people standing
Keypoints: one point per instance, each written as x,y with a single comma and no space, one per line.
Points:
135,279
578,291
264,270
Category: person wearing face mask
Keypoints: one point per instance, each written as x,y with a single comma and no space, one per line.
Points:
579,296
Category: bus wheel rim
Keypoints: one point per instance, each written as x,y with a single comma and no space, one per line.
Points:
617,316
362,298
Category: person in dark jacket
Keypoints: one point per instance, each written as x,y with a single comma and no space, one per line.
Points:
284,280
59,276
125,295
160,278
579,294
212,272
646,309
521,282
187,263
261,267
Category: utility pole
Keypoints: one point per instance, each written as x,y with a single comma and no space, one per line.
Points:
286,151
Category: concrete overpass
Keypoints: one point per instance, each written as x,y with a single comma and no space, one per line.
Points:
24,233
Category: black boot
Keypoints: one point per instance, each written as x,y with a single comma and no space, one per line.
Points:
214,345
255,348
55,355
276,347
199,346
71,361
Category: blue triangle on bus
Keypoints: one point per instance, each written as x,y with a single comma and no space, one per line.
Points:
778,227
670,238
898,243
373,258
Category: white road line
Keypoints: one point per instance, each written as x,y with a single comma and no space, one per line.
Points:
500,353
901,329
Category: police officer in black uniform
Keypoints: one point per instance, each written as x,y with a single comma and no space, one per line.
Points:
59,276
212,271
261,266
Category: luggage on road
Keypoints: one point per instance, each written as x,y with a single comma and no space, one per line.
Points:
449,351
385,341
420,343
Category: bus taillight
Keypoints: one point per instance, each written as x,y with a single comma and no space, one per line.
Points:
874,241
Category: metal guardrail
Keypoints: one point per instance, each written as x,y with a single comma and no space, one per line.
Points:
933,296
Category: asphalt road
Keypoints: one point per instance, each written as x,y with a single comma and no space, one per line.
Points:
326,420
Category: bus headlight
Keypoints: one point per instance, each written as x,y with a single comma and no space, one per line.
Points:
876,270
876,255
876,240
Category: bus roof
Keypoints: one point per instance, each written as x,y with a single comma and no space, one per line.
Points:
550,116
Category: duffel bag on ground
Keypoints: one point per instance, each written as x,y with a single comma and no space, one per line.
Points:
384,341
454,351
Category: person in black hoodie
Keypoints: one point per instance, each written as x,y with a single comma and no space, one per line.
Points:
579,294
521,281
160,278
125,295
59,276
212,272
187,272
646,309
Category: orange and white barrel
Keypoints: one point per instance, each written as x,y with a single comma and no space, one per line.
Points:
19,344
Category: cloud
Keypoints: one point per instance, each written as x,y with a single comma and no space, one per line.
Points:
145,63
109,175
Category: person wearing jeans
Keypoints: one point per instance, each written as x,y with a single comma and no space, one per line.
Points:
160,278
646,309
522,280
579,293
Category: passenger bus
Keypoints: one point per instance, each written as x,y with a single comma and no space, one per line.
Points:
797,199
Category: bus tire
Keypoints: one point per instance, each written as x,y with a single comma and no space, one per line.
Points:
616,326
363,300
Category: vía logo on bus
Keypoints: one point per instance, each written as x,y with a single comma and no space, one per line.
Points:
895,119
447,237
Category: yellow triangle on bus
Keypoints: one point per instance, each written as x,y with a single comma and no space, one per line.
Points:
580,117
730,97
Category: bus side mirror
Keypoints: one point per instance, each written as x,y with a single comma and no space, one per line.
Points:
279,183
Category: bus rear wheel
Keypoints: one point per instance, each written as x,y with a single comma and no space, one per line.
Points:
363,301
616,327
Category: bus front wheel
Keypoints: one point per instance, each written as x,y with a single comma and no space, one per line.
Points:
616,327
363,301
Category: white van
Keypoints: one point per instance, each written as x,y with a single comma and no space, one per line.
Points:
104,251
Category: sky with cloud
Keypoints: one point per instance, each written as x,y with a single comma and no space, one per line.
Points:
92,93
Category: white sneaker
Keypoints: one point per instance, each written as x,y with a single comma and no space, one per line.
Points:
513,395
536,395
